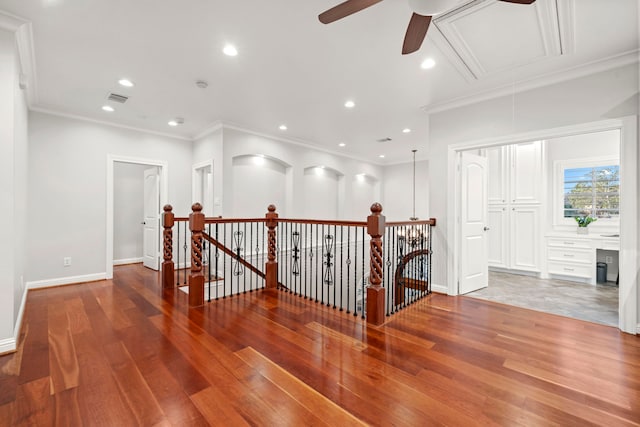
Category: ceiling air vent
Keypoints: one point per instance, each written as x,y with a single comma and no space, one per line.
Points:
117,98
387,139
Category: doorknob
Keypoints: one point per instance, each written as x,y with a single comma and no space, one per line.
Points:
143,223
487,229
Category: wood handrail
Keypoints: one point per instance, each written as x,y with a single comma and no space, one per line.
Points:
430,221
216,220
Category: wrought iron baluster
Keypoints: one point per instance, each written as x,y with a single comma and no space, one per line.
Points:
328,261
217,258
185,253
364,309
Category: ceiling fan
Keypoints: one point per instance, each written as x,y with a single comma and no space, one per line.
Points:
424,10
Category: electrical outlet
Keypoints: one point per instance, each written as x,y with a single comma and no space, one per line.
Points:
67,261
608,259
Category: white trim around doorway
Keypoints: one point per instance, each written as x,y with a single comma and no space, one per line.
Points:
164,192
629,264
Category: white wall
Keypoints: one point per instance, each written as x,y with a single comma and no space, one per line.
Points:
582,100
238,143
398,194
13,202
257,182
321,189
67,189
21,165
128,211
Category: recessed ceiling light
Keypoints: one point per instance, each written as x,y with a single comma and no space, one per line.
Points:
230,50
108,108
428,63
381,156
406,130
125,83
282,127
172,123
342,144
349,104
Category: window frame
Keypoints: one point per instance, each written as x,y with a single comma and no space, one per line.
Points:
558,190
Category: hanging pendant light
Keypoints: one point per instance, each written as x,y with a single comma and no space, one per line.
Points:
414,217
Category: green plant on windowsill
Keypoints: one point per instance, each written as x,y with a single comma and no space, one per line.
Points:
584,221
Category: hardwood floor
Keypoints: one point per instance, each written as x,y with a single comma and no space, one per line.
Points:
119,353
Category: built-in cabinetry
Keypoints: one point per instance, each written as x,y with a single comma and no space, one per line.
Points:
515,183
575,257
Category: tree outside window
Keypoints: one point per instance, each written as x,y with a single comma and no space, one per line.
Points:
593,191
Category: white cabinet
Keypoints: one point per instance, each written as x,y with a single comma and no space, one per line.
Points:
497,175
570,257
515,180
574,258
525,238
497,244
526,172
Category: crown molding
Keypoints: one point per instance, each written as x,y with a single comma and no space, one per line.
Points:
299,143
606,64
11,22
26,53
213,127
52,112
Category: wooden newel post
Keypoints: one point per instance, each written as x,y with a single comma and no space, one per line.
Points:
196,278
167,239
375,292
272,265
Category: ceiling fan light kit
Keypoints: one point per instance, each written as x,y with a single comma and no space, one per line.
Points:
423,11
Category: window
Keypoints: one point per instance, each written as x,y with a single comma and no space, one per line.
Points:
592,190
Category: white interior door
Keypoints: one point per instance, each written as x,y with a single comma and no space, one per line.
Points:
473,258
151,221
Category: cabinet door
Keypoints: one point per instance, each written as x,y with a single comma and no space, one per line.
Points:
525,238
497,221
526,172
497,175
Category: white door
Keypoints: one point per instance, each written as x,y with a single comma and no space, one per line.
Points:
151,218
473,257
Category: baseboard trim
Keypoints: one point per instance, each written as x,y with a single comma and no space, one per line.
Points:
439,289
70,280
638,329
7,346
127,261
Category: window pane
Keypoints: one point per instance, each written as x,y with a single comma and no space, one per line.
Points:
592,191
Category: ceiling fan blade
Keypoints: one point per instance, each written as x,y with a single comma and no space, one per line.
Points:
519,1
416,32
345,9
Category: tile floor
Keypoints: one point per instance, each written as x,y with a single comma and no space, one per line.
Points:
598,304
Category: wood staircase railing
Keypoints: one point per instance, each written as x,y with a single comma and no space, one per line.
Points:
378,297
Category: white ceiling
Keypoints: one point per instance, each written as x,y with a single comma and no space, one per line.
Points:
292,69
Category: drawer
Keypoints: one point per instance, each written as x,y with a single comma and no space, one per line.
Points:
610,245
570,254
569,243
575,270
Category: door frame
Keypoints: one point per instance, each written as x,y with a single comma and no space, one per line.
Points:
629,263
194,178
163,167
